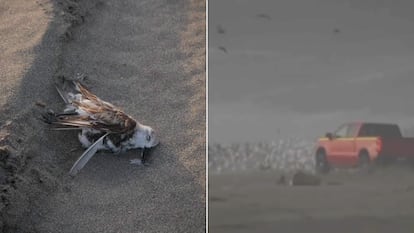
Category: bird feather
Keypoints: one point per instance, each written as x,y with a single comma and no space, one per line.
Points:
86,156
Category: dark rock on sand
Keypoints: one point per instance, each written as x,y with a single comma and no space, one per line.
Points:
302,178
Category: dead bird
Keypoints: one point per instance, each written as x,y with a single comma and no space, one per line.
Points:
103,126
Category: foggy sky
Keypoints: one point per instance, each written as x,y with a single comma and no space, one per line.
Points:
305,66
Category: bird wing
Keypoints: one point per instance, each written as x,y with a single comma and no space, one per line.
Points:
91,112
86,156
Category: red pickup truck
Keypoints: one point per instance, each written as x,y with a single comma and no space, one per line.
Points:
360,143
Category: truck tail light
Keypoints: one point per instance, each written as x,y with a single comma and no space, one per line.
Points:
378,145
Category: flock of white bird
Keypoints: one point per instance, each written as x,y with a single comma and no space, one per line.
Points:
285,155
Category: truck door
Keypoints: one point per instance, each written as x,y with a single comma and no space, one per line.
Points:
337,145
349,155
343,145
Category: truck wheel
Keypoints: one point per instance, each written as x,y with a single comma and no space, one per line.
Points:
364,162
322,164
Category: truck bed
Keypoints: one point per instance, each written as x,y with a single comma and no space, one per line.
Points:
397,147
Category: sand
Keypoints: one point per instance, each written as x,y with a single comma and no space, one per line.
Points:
147,57
346,201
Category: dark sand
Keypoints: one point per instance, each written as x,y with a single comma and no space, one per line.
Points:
147,57
382,201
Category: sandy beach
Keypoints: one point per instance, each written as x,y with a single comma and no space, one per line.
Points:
148,57
345,202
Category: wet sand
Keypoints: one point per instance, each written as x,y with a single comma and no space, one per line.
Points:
381,201
147,57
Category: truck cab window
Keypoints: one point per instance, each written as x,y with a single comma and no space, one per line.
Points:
352,130
342,131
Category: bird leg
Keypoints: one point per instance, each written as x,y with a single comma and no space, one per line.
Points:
143,155
140,160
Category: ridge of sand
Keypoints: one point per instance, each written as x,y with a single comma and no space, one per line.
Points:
32,35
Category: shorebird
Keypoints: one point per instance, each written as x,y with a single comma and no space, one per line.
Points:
103,126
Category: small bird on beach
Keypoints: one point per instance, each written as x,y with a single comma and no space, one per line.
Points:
103,126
